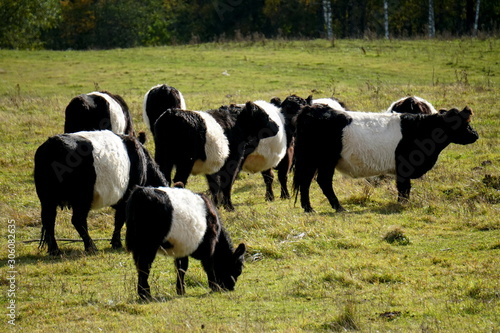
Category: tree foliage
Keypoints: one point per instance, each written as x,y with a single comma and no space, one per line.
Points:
23,21
83,24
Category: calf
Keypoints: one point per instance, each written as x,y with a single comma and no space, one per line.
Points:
98,111
89,170
179,223
157,100
411,104
362,144
214,143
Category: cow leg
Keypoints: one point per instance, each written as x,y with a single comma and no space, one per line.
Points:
116,242
79,220
214,187
220,185
49,213
167,172
283,169
226,198
182,171
181,265
166,168
304,185
325,177
208,266
404,186
143,262
268,180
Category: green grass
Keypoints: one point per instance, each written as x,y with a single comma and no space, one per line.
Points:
432,265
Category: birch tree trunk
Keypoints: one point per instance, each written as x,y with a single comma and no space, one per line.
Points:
432,28
386,19
476,19
327,14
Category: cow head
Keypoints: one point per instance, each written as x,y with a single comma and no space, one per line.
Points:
292,104
256,123
227,274
458,126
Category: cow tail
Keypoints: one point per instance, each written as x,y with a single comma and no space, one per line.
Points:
43,238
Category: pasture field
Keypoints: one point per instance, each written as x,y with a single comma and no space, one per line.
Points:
431,265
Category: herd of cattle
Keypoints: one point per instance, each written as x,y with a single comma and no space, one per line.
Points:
100,161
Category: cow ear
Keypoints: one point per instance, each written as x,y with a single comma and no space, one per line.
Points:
240,251
451,113
466,113
250,106
309,100
442,111
276,101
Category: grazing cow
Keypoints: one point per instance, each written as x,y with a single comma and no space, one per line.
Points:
157,100
179,223
89,170
411,104
270,151
362,144
214,143
98,111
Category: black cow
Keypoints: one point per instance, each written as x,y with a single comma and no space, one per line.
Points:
89,170
362,144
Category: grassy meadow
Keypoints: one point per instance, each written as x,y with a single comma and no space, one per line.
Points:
431,265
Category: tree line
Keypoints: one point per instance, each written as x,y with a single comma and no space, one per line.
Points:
102,24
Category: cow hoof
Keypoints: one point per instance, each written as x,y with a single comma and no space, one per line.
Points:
91,250
116,245
309,210
269,197
229,207
340,209
55,252
146,297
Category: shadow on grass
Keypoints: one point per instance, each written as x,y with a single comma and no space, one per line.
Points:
164,298
384,209
67,254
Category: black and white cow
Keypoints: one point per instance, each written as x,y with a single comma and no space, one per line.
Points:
89,170
289,108
157,100
270,151
98,111
179,223
361,144
411,104
214,143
